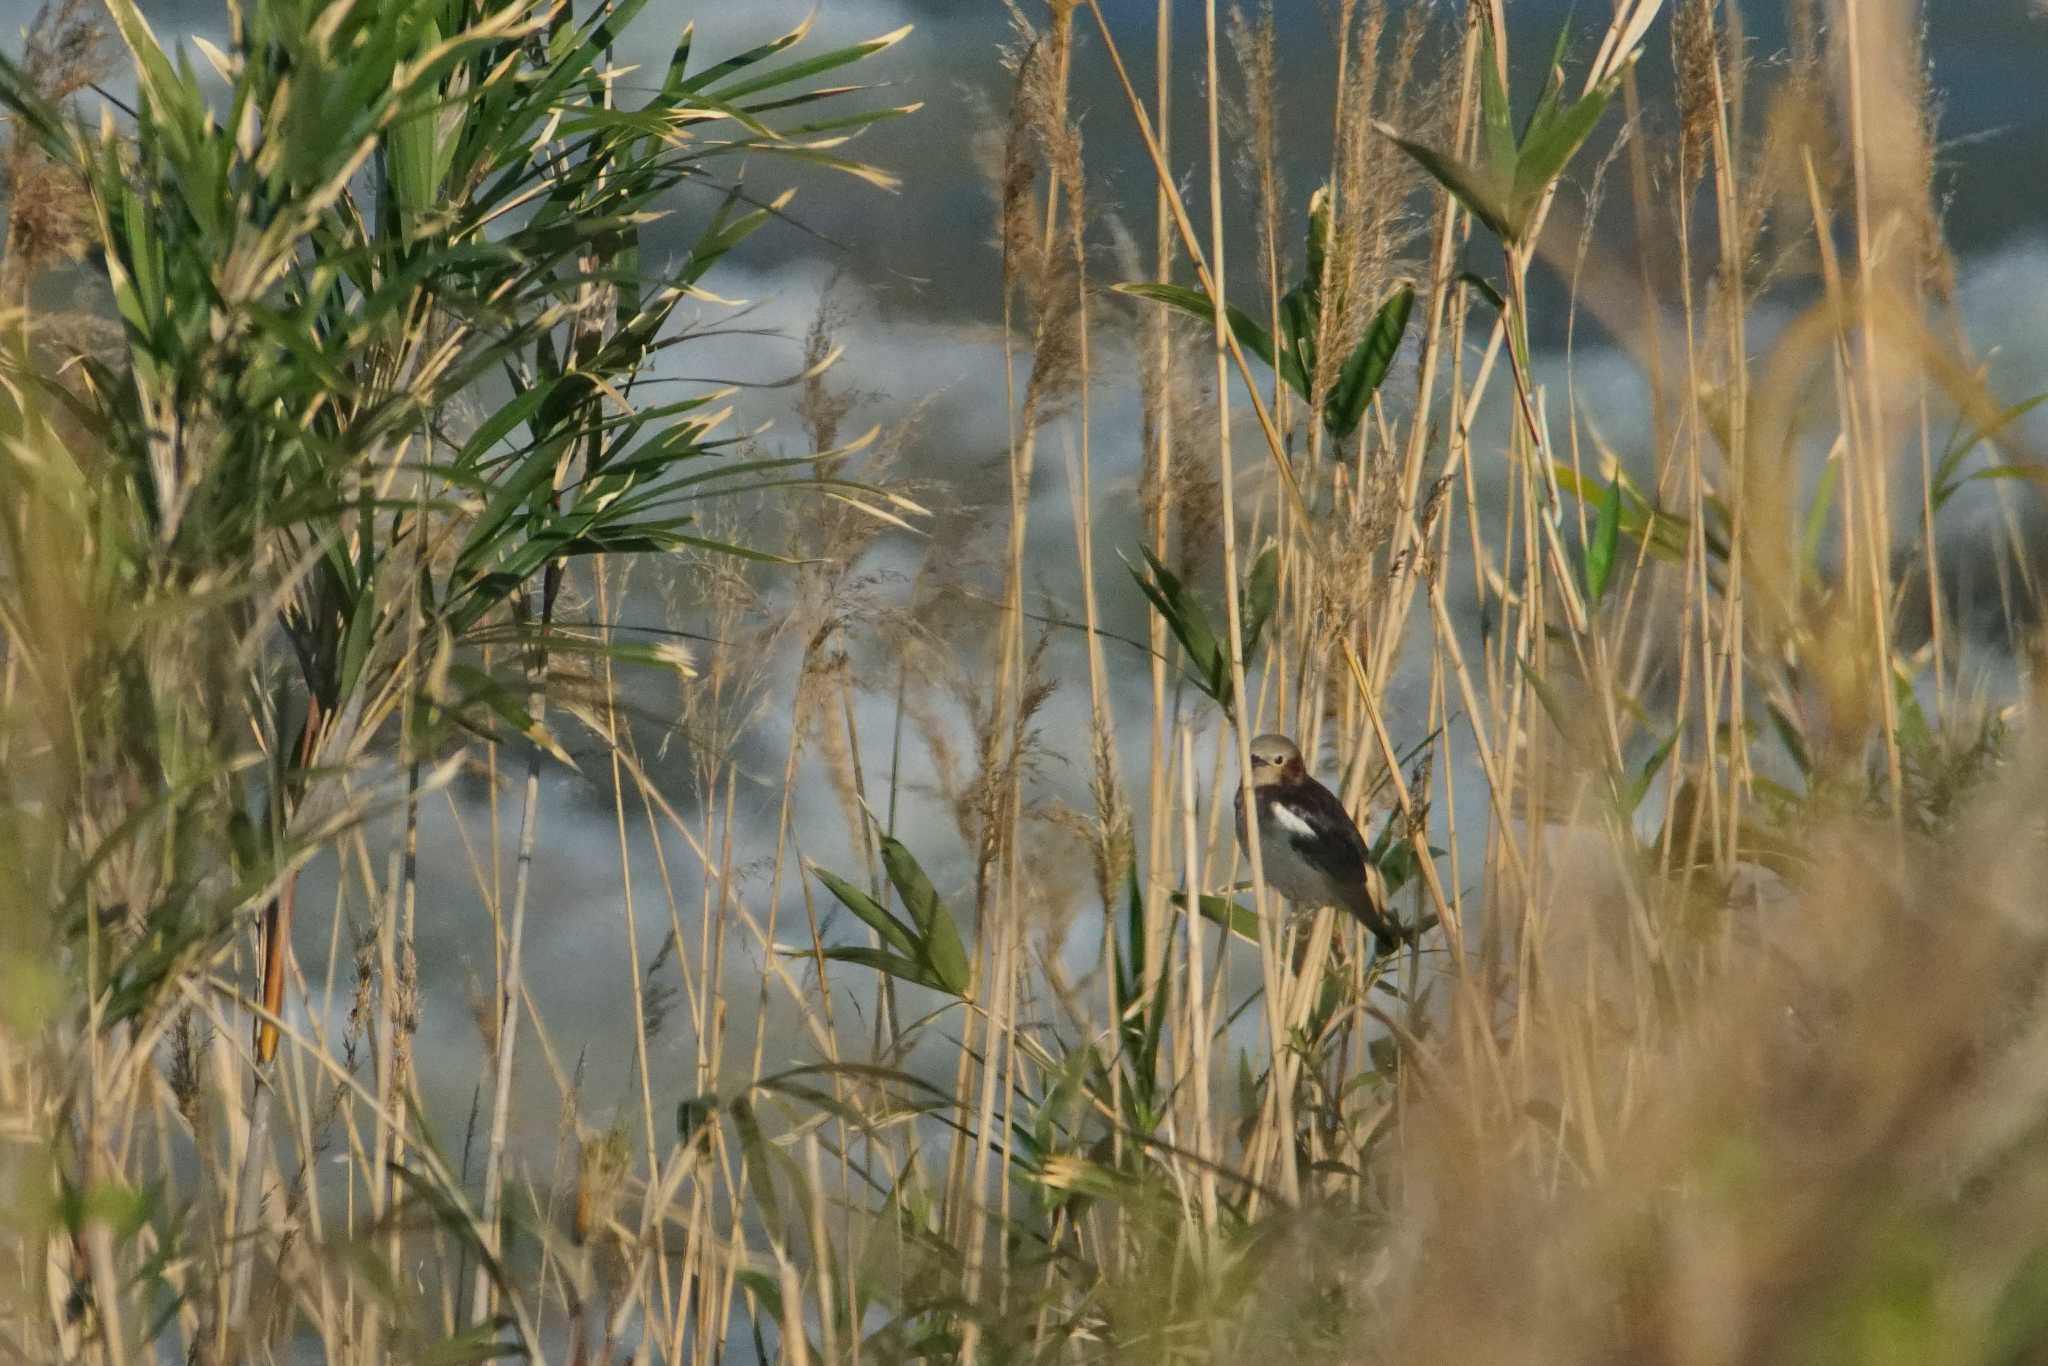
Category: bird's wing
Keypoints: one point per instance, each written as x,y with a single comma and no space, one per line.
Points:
1322,831
1324,835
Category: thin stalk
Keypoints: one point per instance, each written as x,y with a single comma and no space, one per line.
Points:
512,984
1280,1097
277,928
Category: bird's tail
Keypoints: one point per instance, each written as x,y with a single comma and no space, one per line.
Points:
1389,935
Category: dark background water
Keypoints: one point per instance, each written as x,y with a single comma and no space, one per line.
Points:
926,250
1988,62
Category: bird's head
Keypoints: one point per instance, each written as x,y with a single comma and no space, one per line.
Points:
1275,759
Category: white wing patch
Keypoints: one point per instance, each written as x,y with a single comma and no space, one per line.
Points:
1291,823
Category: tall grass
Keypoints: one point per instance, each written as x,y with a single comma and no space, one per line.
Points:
1723,1039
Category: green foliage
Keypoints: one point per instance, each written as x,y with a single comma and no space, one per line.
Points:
1940,767
1226,913
1944,762
407,207
1661,533
1514,174
1208,657
1141,1025
925,947
481,1343
1606,535
1301,309
1948,478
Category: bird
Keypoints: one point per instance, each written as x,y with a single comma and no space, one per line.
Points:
1310,848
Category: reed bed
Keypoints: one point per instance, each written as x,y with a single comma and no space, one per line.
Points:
1716,800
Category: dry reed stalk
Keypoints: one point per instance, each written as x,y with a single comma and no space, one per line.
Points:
1031,265
1164,418
1277,1131
509,994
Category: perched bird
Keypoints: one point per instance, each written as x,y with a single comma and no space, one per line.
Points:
1311,851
